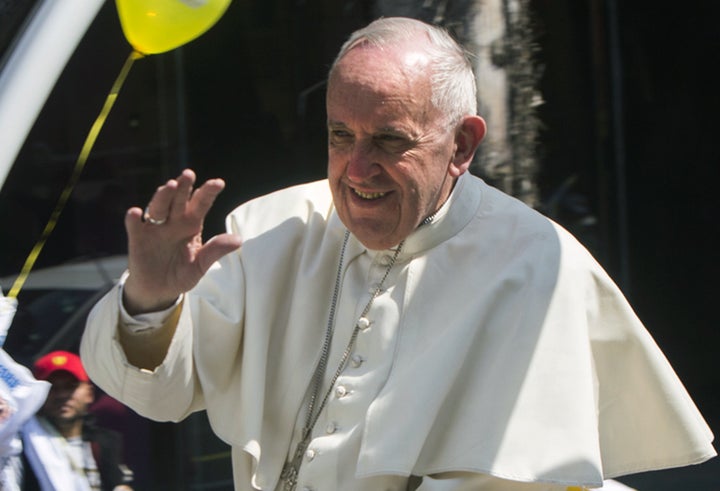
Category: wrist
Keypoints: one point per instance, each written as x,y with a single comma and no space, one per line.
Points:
136,301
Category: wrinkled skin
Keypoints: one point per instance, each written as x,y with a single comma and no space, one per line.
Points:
393,158
169,259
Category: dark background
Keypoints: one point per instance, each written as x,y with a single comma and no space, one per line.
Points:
631,105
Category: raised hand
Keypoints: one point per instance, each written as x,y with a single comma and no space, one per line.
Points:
167,256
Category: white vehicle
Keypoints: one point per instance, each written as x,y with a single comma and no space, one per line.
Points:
56,302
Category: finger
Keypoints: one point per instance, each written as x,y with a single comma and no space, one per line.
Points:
159,205
137,223
204,196
216,248
185,182
133,220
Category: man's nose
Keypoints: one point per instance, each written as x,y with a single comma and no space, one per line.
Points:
363,163
61,392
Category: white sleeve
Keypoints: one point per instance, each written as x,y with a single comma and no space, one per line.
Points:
142,322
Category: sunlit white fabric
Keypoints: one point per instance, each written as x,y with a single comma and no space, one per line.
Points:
514,354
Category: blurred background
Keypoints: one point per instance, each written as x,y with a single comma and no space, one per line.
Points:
603,115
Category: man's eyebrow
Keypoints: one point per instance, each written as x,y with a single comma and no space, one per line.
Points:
395,130
391,129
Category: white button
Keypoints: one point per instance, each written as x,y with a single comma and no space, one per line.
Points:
357,360
340,391
386,260
310,454
374,287
363,323
330,428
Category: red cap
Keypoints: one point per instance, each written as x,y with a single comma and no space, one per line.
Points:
59,360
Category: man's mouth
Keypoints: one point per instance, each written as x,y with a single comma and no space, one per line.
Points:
368,196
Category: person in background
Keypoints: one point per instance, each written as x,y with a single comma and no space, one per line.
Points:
399,326
62,449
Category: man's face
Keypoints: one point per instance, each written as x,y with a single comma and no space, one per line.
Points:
390,150
68,399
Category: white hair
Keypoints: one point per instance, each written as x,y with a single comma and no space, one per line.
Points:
452,80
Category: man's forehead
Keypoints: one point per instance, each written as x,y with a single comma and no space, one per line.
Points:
62,376
391,73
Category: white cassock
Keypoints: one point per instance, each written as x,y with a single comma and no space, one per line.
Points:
498,348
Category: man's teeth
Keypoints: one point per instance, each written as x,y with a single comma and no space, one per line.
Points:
369,195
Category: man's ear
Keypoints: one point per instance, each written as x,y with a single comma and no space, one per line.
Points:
468,136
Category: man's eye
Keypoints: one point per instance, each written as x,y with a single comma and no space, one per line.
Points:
390,138
340,134
392,143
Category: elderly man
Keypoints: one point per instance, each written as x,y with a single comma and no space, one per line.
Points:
400,325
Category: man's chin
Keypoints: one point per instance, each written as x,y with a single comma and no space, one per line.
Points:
63,418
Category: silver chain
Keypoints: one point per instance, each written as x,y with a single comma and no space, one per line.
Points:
292,468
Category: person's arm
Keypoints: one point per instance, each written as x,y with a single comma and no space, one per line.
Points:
167,257
146,348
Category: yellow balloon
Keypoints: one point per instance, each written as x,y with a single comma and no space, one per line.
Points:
156,26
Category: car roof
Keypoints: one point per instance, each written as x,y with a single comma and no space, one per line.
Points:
92,274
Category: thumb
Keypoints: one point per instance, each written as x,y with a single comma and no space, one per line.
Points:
216,248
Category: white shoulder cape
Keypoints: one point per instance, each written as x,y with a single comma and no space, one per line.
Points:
517,355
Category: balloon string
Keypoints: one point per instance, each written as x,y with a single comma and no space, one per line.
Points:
79,166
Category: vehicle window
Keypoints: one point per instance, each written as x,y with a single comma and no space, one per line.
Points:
40,316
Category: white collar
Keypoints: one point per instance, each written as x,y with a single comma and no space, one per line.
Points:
450,219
